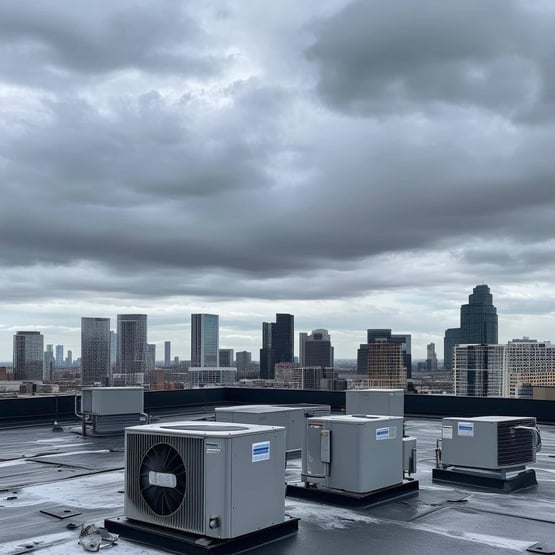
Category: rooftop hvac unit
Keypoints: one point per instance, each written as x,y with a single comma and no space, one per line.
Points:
355,454
292,417
109,410
213,479
496,443
389,402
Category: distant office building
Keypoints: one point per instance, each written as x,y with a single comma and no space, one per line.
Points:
405,340
150,357
167,353
386,369
452,337
59,356
95,350
244,360
226,358
204,340
431,358
478,324
528,363
211,376
266,354
380,335
69,358
283,333
132,349
315,349
479,370
28,355
362,359
479,317
113,350
49,362
277,344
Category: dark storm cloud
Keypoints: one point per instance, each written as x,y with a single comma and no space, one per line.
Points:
44,43
376,56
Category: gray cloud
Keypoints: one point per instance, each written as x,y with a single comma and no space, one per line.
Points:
46,43
376,57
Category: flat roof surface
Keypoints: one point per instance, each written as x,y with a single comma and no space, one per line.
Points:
44,470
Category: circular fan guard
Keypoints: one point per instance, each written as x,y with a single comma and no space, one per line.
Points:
162,458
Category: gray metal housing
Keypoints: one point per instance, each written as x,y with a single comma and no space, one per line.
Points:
292,417
103,401
388,402
488,442
234,476
357,454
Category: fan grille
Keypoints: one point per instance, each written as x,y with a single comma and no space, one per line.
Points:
162,459
178,502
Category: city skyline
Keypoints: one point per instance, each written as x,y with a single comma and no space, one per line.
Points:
349,162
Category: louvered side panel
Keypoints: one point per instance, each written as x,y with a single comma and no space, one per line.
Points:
515,447
190,516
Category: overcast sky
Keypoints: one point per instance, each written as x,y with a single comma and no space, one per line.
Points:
358,164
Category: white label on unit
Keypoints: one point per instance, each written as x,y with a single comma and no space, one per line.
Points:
447,432
261,451
382,433
162,479
392,432
465,429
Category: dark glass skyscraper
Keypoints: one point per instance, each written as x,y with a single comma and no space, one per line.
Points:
283,332
479,317
277,344
478,323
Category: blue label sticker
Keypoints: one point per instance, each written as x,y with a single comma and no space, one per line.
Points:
465,429
382,433
261,451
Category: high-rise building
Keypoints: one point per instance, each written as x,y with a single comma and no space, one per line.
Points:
244,359
385,364
95,350
277,344
113,350
131,357
362,359
167,353
266,354
386,369
315,349
283,337
69,358
528,363
204,340
28,355
452,338
150,357
478,323
226,358
431,358
479,370
49,362
59,356
405,340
